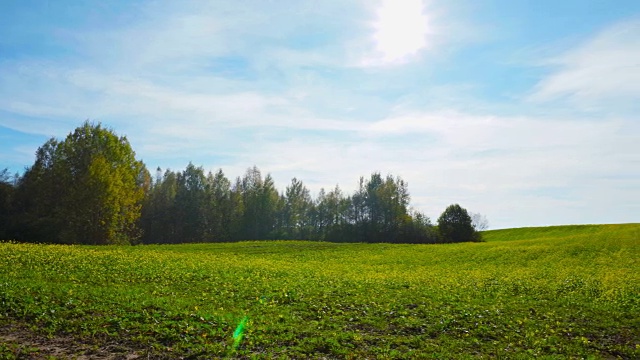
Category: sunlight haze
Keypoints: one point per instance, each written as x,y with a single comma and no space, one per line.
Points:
400,29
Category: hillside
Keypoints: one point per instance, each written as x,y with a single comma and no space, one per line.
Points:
534,292
565,232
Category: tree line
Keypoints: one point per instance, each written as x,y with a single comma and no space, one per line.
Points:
90,189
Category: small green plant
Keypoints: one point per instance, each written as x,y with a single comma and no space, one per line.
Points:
524,293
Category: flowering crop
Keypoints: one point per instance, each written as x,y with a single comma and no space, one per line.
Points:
556,292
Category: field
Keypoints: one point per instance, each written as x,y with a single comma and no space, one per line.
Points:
557,292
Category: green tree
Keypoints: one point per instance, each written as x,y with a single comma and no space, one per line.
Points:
358,215
220,207
159,223
259,205
379,208
417,229
297,209
6,194
190,212
37,200
319,216
268,202
238,230
455,225
86,189
334,216
388,200
330,214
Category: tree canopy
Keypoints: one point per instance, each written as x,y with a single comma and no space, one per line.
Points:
87,188
90,189
455,225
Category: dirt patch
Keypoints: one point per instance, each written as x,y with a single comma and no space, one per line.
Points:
18,342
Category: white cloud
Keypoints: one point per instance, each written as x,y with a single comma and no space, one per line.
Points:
508,168
302,109
186,37
603,71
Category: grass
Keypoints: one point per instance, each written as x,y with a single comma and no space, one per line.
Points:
568,232
557,292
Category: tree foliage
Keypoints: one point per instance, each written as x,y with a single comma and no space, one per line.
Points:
89,188
296,211
6,195
85,189
455,225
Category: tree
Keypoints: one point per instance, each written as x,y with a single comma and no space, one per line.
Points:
220,209
455,225
330,215
37,198
479,221
159,223
190,204
417,229
379,208
296,212
238,229
392,200
86,189
259,205
6,194
268,202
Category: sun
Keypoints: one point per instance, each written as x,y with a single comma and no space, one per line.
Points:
401,29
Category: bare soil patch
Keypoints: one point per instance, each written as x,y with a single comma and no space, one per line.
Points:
17,341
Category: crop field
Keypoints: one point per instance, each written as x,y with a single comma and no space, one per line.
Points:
557,292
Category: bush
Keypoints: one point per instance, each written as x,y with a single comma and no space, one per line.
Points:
455,225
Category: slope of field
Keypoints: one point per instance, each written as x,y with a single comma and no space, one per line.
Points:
548,292
566,232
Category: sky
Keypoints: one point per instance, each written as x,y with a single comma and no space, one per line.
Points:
525,111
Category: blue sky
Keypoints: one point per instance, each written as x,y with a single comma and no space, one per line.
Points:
525,111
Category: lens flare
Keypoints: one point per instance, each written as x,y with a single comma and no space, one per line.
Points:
239,332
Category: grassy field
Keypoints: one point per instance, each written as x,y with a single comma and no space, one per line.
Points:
557,292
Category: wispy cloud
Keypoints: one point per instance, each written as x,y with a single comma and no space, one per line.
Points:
301,89
605,68
502,166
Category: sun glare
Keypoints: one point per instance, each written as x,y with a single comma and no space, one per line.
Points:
400,29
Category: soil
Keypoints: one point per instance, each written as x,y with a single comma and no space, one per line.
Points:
19,342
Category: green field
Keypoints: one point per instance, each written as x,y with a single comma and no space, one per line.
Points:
556,292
